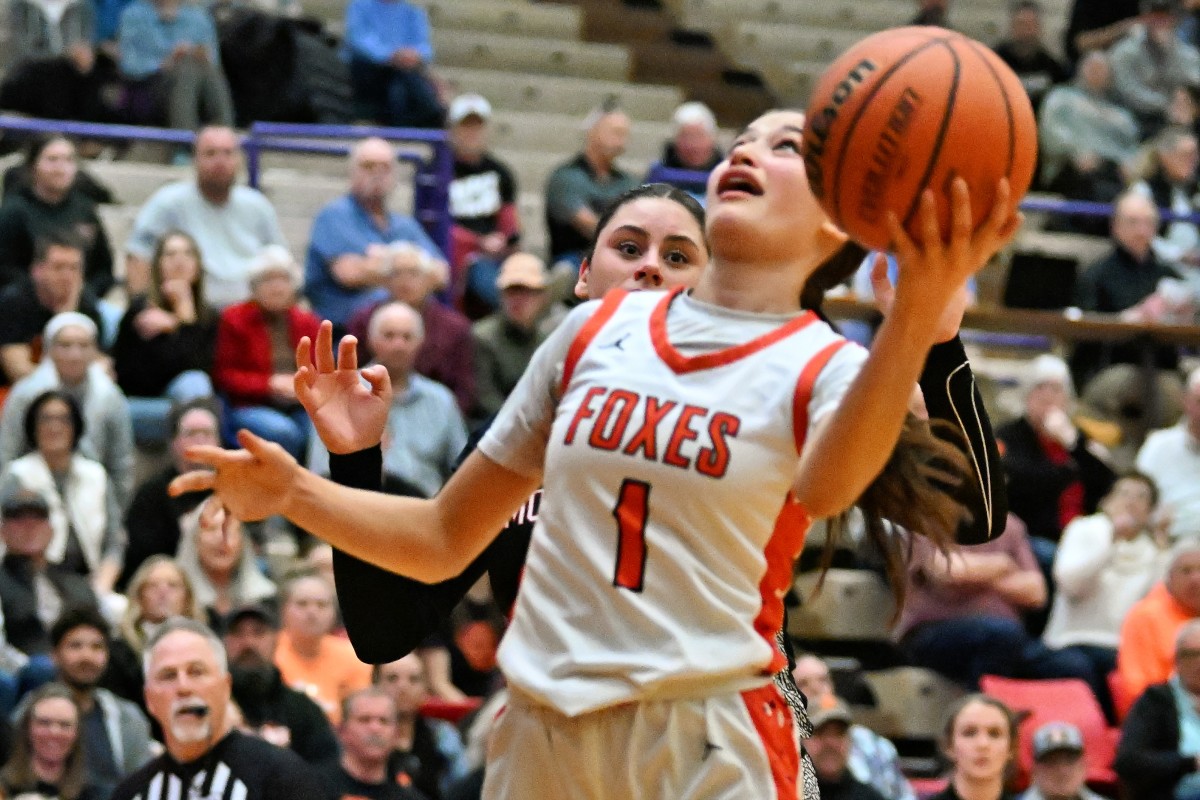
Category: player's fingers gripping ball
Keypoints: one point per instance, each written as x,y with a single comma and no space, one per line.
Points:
910,108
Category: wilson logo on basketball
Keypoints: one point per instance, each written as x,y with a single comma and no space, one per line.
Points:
618,419
817,125
910,109
888,160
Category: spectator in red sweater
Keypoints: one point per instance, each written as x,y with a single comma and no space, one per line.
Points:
1055,472
254,361
448,353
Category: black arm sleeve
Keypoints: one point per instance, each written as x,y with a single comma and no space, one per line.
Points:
388,615
951,395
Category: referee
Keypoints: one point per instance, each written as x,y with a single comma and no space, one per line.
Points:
188,693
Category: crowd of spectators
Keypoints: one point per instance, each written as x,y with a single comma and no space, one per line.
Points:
294,680
1099,579
1097,576
204,344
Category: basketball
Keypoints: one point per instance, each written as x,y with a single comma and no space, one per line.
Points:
910,108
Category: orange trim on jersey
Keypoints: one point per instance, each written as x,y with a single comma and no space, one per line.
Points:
680,363
608,307
804,389
773,720
787,539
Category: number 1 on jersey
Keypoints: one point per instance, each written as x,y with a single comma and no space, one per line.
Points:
632,512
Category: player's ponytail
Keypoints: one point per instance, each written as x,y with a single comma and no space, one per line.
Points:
915,491
917,488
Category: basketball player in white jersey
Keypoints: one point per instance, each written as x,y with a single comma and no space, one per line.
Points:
651,238
680,478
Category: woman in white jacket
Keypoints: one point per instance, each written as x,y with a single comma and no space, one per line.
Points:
1105,563
89,537
71,364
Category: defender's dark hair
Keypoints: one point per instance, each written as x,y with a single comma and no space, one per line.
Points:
664,191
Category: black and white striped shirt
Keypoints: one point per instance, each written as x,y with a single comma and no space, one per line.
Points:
239,767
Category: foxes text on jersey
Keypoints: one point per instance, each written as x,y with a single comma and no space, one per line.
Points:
666,535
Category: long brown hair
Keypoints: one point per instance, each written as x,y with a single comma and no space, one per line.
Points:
131,621
154,295
17,775
946,742
915,490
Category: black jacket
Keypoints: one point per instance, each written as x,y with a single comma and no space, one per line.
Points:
422,764
1148,759
1038,71
1113,284
145,366
24,218
124,676
18,597
1089,15
1035,484
266,700
848,788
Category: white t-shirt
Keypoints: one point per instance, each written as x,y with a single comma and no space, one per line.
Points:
1098,579
665,539
229,235
1172,458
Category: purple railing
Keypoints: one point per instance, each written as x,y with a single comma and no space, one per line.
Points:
427,150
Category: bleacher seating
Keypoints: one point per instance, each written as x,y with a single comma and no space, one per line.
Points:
506,16
791,42
1052,243
853,605
759,44
983,23
466,48
557,133
514,91
134,181
911,703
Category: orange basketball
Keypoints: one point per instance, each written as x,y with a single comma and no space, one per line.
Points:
910,108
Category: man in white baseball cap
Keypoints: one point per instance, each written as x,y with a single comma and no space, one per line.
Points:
483,203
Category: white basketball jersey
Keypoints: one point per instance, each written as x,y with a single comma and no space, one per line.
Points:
666,536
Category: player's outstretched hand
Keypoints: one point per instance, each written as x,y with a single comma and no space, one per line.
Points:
933,272
253,483
347,415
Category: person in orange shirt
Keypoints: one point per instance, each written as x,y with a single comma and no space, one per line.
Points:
310,658
1146,653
